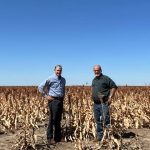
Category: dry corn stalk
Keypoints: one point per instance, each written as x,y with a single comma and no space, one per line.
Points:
20,105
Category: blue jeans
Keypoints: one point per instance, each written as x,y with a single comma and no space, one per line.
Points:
55,114
98,115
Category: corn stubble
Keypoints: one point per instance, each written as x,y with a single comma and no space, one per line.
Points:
23,109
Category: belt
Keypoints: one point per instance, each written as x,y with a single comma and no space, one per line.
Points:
58,98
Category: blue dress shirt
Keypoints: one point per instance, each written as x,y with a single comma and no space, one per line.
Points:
55,86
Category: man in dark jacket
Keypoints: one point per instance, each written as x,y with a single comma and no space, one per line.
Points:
103,90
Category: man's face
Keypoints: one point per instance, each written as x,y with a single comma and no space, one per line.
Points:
58,71
97,70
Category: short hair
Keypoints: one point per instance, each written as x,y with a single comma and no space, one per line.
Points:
58,66
98,66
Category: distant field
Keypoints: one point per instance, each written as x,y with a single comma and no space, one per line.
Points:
23,111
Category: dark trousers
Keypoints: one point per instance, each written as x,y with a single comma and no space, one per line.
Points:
99,111
55,114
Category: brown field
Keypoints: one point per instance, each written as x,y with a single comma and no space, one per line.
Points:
24,117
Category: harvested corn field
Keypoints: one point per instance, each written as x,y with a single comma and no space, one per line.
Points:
24,118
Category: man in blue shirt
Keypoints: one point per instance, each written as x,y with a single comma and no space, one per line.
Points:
54,93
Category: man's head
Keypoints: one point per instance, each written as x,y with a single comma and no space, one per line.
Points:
58,70
97,70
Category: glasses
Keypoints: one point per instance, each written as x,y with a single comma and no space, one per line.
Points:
96,70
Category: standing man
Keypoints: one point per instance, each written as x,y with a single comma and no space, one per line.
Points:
103,90
55,85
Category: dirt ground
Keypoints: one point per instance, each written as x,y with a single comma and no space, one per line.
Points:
142,136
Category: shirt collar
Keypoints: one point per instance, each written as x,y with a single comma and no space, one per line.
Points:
98,77
57,77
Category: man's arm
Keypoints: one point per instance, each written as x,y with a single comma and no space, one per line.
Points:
41,87
111,95
44,85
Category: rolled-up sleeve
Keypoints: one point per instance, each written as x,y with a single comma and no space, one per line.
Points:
41,86
112,84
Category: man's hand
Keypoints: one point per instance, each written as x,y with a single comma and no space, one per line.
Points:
109,100
50,98
112,92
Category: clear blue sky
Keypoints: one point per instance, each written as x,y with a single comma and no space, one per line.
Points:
35,35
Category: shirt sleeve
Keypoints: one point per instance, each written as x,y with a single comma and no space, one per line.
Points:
112,84
65,81
44,85
64,85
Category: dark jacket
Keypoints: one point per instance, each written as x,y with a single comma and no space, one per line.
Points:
102,84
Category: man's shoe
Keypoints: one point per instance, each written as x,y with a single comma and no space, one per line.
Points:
60,140
96,140
51,141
